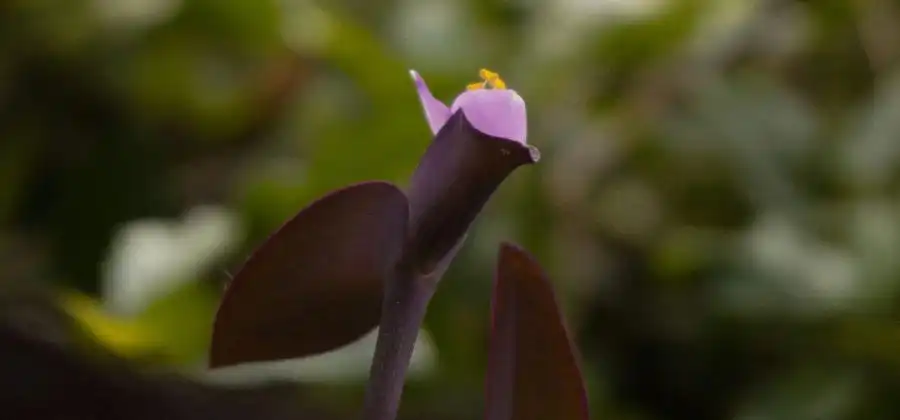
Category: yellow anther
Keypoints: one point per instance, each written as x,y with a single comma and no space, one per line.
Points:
487,74
490,79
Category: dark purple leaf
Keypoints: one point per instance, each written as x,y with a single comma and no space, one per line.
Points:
454,179
532,371
317,283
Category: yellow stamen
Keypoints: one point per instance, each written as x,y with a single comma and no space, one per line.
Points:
487,74
490,78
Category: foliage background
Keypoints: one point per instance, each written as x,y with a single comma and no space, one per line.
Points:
717,199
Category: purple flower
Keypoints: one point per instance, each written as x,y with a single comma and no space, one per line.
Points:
497,112
478,142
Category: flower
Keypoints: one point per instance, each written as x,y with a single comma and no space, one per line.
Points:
479,141
488,105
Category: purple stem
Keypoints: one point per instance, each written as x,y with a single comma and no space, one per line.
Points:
405,302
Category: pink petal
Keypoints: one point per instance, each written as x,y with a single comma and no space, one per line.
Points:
435,111
495,112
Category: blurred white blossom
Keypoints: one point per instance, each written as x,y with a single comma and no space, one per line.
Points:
804,275
149,258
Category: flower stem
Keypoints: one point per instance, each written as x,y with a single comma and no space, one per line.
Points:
405,302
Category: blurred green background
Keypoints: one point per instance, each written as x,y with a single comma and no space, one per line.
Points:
717,200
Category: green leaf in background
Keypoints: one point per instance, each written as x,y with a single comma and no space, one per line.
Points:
173,330
183,321
125,338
